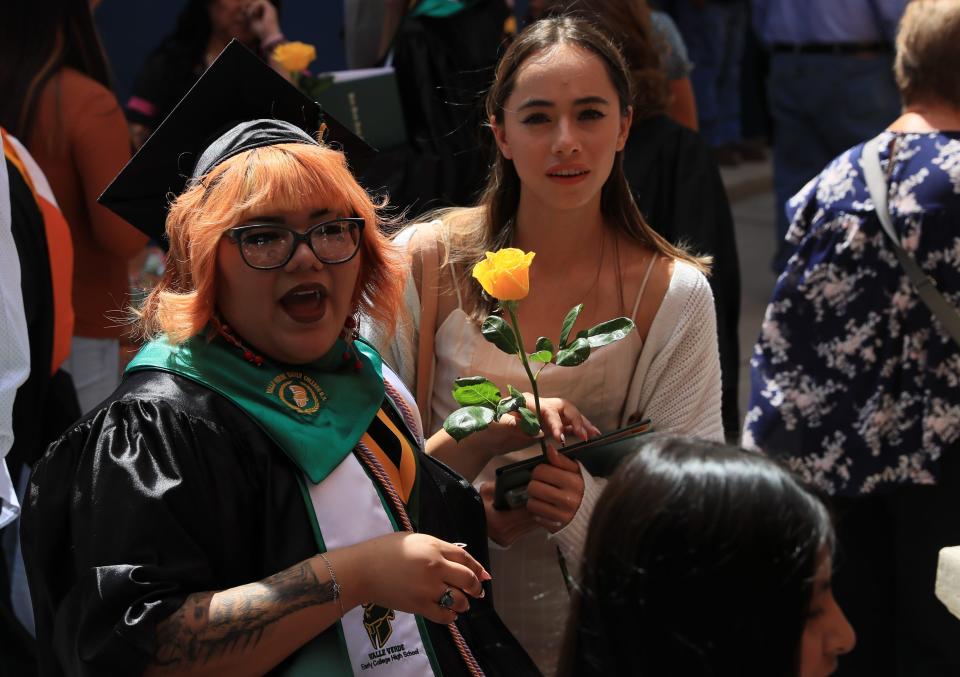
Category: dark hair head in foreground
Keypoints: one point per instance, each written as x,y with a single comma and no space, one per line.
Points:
700,560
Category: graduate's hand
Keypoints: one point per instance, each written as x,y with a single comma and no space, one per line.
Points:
504,527
555,491
410,572
263,19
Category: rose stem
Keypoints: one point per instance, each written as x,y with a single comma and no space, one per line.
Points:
511,308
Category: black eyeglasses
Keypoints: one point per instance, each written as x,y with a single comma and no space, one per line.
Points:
266,246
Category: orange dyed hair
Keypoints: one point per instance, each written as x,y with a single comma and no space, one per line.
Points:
284,176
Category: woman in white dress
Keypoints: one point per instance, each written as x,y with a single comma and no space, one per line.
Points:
560,112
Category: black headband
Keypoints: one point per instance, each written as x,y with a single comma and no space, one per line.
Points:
247,136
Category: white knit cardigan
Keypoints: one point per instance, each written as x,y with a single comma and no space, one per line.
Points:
676,381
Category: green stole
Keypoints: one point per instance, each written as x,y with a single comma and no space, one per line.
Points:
326,405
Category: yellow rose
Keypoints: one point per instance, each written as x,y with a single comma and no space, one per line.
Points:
505,274
294,56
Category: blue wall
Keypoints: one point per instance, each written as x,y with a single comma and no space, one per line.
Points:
130,29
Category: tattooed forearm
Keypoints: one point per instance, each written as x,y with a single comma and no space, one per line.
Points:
207,627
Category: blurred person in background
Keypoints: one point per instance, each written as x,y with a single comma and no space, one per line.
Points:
660,35
444,54
675,180
830,86
57,99
369,28
675,61
714,32
704,560
854,378
203,29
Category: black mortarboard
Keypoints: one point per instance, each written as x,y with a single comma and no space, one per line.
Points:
239,103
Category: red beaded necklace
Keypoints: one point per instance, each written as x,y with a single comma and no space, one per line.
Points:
349,335
224,330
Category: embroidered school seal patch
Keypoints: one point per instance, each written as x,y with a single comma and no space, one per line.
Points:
297,391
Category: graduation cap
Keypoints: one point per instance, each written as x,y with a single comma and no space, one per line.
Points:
238,104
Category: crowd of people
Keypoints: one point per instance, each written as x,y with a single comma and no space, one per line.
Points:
268,481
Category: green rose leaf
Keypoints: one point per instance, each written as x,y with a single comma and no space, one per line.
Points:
528,421
512,403
466,421
608,332
499,333
543,356
568,323
475,390
577,353
543,343
509,404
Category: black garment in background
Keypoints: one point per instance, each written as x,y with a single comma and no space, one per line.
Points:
679,190
168,489
884,575
444,67
755,119
168,73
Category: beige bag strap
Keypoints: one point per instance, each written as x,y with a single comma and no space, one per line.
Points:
429,250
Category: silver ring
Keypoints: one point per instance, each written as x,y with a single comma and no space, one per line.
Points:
446,599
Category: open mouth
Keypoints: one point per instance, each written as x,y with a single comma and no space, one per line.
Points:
305,302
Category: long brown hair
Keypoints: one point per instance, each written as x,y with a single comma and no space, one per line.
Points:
490,225
628,23
37,40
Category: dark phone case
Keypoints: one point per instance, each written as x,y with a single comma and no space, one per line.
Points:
600,456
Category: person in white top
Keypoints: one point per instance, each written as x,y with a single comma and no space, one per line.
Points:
560,112
14,345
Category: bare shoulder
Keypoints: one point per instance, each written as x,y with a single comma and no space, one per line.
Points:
425,244
647,278
421,242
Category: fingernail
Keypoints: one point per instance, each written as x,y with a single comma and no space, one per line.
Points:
483,593
486,576
460,545
563,440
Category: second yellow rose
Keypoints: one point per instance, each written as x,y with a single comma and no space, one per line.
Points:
295,56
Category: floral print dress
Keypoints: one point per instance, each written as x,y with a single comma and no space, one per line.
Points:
853,381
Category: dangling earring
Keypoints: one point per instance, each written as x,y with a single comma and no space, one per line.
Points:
349,331
349,334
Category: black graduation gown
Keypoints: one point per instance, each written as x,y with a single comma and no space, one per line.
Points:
168,489
443,65
680,192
